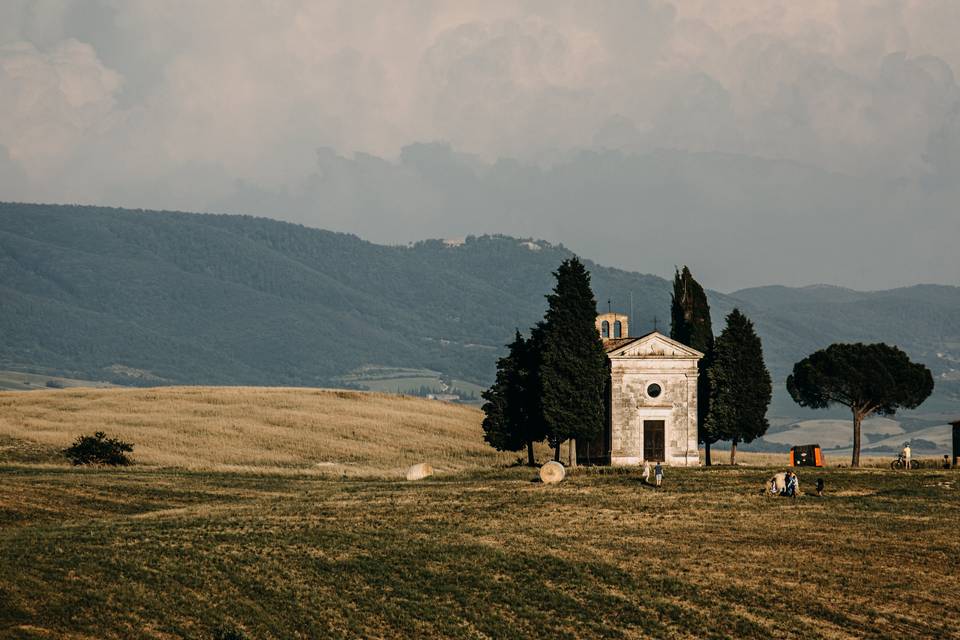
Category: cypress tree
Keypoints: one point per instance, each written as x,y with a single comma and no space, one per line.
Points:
512,419
496,430
690,324
572,363
740,385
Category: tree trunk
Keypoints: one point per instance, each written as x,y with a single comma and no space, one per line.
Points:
706,454
572,453
556,452
733,452
856,439
530,461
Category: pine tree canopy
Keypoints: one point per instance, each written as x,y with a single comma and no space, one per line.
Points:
868,378
573,365
740,383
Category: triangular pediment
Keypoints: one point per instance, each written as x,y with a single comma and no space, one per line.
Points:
654,345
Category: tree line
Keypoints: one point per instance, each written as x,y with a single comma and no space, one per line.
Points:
551,385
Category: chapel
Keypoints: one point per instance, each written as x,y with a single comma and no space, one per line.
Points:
651,412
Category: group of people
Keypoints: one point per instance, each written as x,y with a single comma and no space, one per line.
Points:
785,484
657,473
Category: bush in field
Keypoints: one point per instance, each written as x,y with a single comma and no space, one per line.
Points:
229,633
98,449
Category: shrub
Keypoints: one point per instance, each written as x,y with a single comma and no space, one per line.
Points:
98,449
228,633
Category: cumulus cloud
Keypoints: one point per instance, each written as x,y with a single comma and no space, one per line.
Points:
52,102
226,104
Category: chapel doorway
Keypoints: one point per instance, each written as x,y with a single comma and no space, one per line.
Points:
653,440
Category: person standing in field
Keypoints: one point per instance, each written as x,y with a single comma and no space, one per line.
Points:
820,487
906,455
646,472
658,473
793,485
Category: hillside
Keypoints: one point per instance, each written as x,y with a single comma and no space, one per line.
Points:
137,297
275,430
147,298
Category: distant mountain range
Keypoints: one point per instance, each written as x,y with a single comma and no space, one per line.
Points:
147,297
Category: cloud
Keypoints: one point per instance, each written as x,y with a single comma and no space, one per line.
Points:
52,102
225,105
12,178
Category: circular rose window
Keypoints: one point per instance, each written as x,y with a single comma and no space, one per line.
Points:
654,390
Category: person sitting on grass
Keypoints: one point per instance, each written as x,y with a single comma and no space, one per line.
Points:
778,484
658,473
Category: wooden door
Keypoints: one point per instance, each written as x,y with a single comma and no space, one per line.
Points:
653,449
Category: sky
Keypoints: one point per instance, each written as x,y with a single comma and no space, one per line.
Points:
758,141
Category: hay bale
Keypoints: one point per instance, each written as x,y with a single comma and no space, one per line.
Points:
552,472
779,480
419,471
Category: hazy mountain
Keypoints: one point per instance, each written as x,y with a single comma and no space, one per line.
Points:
140,297
923,320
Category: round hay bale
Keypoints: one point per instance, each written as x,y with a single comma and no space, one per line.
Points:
778,481
552,472
419,471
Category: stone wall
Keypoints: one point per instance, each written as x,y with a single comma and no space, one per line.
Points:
631,404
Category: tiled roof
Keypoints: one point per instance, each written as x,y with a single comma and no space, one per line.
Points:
613,344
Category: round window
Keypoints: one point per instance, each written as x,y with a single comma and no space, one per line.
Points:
654,390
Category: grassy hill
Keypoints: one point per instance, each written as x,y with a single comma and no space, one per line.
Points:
270,430
148,298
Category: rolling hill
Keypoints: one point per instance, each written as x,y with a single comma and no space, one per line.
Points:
147,298
266,429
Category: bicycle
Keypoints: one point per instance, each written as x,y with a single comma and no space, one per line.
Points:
901,463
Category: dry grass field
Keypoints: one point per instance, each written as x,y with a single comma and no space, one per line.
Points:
195,542
180,554
255,428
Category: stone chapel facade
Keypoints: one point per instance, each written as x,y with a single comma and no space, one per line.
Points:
651,399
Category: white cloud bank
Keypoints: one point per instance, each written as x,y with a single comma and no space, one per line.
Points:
224,105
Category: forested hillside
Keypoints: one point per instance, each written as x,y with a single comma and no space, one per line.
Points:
137,297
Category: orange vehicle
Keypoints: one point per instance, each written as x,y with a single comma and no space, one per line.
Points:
806,455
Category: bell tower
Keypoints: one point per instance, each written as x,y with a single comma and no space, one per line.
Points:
612,326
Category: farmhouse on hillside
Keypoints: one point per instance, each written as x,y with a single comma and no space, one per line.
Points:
651,399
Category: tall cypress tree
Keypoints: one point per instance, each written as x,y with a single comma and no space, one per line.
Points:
572,363
740,385
690,324
513,419
497,431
